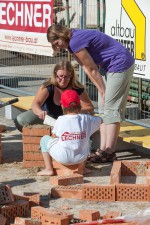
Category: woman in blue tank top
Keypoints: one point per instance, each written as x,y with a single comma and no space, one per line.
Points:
93,50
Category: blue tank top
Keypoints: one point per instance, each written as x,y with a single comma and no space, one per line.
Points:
52,109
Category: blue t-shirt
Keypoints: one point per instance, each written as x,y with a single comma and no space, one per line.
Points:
111,55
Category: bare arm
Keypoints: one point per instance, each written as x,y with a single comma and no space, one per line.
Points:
54,135
38,101
86,104
91,69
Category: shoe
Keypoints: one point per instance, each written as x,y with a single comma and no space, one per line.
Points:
104,157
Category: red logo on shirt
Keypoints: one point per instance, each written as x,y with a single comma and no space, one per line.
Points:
73,136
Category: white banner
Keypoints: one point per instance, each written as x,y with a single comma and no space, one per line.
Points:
128,22
23,26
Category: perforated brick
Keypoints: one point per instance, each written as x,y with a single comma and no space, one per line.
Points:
66,180
99,192
38,212
2,220
132,192
17,208
6,195
67,192
19,197
89,215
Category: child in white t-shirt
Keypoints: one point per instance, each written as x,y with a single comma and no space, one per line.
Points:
69,143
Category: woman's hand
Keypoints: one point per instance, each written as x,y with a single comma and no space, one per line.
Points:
38,101
42,115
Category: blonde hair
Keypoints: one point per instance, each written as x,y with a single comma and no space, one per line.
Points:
64,65
57,31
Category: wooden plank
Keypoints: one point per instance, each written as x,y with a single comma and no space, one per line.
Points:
135,134
23,103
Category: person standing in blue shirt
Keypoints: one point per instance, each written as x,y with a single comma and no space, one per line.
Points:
93,49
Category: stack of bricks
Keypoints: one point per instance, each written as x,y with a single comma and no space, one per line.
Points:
32,134
0,145
10,207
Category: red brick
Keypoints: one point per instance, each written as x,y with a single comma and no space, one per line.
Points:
53,220
66,180
132,192
31,148
34,198
132,168
38,212
67,192
89,215
36,130
0,146
2,220
26,221
64,170
111,214
30,164
0,153
30,156
6,195
31,140
115,175
14,209
96,192
18,197
148,175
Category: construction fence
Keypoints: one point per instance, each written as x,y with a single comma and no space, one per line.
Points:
22,73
